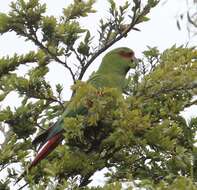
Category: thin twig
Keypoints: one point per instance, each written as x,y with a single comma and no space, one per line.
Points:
191,103
23,186
169,90
40,127
77,55
39,44
3,167
100,51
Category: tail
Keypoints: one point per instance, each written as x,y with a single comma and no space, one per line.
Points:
47,148
44,151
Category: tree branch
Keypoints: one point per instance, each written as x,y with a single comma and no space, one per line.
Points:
170,90
33,38
100,51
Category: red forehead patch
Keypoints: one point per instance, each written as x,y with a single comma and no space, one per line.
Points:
127,55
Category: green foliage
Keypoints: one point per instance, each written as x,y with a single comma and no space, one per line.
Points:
4,185
25,16
4,19
140,137
79,9
8,64
116,26
181,183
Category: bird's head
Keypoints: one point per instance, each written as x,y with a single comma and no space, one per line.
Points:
120,60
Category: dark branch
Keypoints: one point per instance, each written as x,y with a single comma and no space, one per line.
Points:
33,38
170,90
100,51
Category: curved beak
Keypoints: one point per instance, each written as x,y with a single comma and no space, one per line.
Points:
134,62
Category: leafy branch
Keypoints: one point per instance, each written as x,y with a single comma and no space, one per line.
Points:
59,38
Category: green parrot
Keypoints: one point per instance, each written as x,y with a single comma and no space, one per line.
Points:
111,73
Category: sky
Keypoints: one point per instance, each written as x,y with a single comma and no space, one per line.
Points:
161,31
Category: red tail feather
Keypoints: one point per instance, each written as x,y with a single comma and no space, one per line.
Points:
47,148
